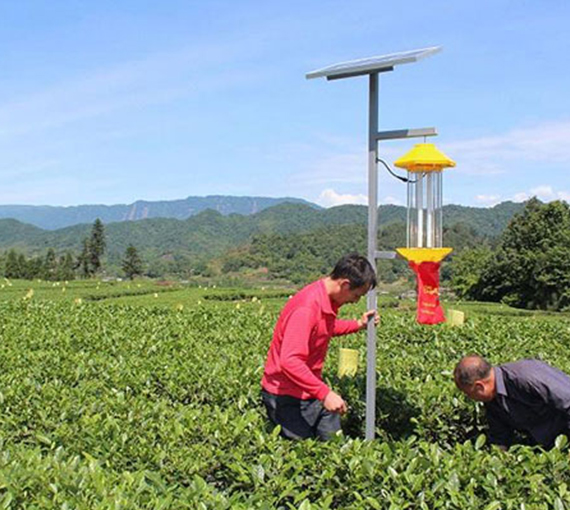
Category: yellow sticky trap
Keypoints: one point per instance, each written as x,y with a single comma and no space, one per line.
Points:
347,362
455,318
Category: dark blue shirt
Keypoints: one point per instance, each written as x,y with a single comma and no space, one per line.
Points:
532,397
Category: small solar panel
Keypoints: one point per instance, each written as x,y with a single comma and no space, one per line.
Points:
372,64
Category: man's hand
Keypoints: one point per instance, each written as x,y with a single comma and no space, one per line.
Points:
366,317
334,403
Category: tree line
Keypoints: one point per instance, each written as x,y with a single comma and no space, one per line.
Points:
88,263
529,267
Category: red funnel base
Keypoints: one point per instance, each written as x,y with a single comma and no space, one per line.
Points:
429,309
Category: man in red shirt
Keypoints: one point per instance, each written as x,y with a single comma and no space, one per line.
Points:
293,391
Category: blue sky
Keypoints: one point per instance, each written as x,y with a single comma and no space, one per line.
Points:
110,102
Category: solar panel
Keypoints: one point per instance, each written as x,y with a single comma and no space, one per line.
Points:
372,64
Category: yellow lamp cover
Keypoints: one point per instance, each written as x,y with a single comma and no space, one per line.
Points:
424,157
419,255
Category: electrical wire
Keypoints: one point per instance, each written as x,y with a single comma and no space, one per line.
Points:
399,177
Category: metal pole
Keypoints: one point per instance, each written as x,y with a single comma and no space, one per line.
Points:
409,202
372,235
440,177
429,211
420,207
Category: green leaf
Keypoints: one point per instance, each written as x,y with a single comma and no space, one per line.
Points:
481,440
560,442
44,439
7,500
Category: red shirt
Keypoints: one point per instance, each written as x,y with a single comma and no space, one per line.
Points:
300,341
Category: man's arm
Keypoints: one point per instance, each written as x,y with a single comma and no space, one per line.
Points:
334,403
500,432
344,327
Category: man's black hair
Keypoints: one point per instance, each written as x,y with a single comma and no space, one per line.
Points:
356,269
471,369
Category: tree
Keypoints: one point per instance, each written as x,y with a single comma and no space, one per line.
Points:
132,263
83,261
12,266
50,265
89,261
65,267
35,267
466,269
531,268
96,245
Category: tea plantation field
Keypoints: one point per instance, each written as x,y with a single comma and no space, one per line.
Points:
147,397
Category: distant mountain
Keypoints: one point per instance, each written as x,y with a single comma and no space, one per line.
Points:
54,217
13,232
210,233
486,221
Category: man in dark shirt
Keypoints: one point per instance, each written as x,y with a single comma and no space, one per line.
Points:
527,395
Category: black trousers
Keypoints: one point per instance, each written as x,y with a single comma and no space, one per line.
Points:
300,419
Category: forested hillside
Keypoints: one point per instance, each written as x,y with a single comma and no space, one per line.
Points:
211,233
301,256
288,240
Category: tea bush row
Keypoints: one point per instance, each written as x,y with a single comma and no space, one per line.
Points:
146,407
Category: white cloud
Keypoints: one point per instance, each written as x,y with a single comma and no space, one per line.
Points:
330,198
520,197
392,200
545,193
543,144
489,200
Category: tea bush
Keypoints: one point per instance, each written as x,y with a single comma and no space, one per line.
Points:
130,407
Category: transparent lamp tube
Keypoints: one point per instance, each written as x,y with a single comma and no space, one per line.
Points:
419,241
430,210
424,221
438,203
410,205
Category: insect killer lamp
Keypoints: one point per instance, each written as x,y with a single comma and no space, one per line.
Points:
424,234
